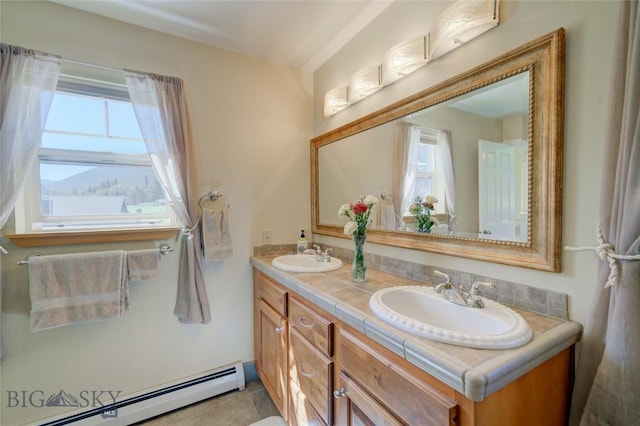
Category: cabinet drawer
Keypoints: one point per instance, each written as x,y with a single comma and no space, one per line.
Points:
314,327
312,373
272,293
411,400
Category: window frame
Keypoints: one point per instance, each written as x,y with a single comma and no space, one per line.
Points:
437,179
83,228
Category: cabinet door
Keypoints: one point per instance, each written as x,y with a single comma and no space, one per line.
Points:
272,354
354,407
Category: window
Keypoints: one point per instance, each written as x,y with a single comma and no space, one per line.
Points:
429,177
93,169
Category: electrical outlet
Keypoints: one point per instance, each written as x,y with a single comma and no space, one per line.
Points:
266,236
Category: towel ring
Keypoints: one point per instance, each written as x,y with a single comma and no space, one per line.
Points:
211,195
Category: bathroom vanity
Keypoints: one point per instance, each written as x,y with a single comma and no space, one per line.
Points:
325,358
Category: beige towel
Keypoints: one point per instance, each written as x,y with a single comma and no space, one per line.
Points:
75,288
216,234
142,264
387,216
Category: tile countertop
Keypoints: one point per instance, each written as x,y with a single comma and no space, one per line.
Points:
476,373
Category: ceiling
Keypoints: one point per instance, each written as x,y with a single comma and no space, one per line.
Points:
498,100
297,33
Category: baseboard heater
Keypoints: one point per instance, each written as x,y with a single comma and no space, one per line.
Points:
162,400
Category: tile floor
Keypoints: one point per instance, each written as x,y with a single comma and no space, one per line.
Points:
237,408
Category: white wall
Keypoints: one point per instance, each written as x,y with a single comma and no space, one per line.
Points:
342,180
251,124
590,29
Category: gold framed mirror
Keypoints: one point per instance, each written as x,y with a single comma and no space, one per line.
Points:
515,102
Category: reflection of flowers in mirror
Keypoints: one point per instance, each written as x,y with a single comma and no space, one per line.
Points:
358,215
421,209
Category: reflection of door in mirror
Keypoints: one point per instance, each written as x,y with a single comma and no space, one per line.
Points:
502,179
496,178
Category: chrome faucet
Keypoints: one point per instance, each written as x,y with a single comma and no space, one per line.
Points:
314,251
319,254
460,296
446,285
475,299
326,257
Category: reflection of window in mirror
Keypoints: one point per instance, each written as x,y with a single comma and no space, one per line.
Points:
429,175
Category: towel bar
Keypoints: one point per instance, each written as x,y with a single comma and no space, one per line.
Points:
163,248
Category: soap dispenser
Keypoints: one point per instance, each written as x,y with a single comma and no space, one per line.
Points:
303,244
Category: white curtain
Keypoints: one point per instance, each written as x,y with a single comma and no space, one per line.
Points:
607,386
161,111
406,165
445,159
28,81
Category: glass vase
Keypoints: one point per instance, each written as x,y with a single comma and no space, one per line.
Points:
358,268
424,223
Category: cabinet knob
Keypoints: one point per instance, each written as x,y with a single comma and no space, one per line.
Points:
339,393
279,330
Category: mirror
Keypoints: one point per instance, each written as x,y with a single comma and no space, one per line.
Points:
487,144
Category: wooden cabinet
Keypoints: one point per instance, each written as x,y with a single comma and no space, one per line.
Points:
321,372
271,338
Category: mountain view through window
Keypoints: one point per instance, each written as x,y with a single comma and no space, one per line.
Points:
93,165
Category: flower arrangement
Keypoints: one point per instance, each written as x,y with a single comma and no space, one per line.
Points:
358,214
421,210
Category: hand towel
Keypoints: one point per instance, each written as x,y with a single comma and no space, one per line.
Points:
441,229
76,288
142,264
387,216
216,234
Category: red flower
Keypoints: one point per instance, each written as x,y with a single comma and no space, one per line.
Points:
360,207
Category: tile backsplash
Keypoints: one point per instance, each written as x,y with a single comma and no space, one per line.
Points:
534,299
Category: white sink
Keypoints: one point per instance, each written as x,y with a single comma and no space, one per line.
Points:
305,263
421,311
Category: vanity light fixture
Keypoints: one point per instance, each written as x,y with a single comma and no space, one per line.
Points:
364,83
463,21
335,101
404,58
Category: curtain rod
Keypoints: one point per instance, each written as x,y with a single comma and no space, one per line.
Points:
421,127
73,61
